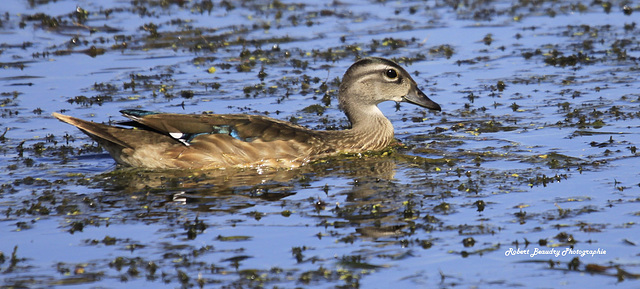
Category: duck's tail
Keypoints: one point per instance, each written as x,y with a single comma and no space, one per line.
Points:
104,134
120,142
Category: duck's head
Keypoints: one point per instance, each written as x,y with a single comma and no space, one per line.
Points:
372,80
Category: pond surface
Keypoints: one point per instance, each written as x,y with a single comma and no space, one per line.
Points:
529,177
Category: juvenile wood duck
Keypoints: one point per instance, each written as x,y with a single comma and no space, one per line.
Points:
204,141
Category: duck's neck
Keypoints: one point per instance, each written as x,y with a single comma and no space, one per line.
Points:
370,129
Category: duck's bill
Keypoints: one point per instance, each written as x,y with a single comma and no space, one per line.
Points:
418,97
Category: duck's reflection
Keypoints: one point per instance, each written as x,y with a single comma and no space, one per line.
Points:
257,180
368,198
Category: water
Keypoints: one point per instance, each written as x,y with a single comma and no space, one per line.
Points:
548,161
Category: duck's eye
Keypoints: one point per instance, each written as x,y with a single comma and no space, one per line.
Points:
391,73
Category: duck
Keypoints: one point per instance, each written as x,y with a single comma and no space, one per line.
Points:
155,140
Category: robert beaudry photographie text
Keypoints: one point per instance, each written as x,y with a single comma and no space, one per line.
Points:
554,252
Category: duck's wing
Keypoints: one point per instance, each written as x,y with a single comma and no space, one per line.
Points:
187,127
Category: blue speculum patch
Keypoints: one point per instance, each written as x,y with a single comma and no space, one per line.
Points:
187,138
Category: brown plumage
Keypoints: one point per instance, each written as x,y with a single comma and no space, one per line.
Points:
163,140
